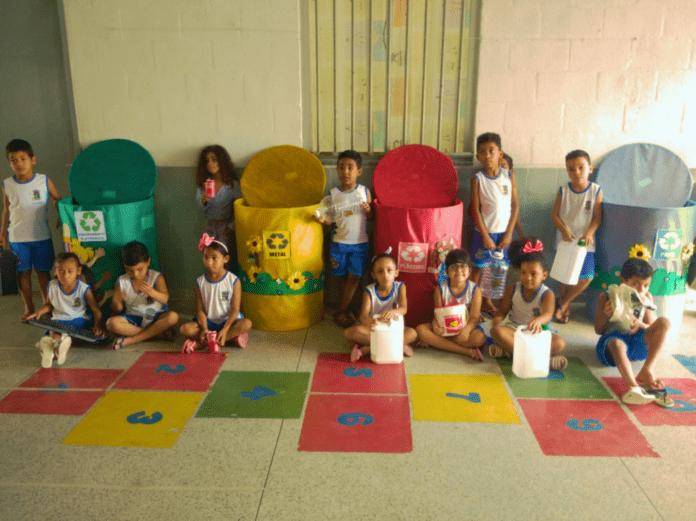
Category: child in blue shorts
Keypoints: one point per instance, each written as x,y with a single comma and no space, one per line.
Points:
495,207
25,220
68,298
351,208
143,293
631,331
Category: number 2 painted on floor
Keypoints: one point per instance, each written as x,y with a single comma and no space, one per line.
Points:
587,424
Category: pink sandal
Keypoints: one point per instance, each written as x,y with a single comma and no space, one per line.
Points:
211,340
189,346
241,340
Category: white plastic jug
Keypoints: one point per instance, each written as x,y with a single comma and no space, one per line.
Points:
387,341
452,318
568,262
532,353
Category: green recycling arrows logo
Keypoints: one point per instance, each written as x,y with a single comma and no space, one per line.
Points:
90,222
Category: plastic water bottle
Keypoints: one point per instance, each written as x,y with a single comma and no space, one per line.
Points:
494,276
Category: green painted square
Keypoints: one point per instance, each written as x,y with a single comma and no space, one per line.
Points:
253,394
578,382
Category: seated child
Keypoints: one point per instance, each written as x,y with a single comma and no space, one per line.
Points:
382,300
642,339
218,299
143,293
529,303
457,289
68,298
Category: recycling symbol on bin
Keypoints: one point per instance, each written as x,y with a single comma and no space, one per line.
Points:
277,241
413,254
90,222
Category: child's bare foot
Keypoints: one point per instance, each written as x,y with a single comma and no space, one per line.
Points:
647,379
560,316
355,353
27,313
118,343
408,350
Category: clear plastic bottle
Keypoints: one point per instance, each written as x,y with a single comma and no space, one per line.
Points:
494,276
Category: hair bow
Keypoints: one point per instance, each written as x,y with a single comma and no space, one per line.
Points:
206,240
529,248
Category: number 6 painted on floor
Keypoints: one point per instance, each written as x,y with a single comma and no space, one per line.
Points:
353,418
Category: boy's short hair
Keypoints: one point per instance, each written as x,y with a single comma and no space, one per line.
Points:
134,253
19,145
576,154
457,256
634,267
509,160
66,256
351,154
486,137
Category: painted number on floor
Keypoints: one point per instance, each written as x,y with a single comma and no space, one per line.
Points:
259,392
472,397
141,417
587,424
354,372
353,418
165,368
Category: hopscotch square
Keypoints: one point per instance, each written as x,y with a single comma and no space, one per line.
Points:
50,401
576,381
461,398
687,361
681,390
356,423
251,394
584,428
172,372
135,419
335,373
59,378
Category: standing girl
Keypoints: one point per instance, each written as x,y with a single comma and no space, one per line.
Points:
215,166
529,303
218,298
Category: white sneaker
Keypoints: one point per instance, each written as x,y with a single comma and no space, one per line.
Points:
46,347
63,347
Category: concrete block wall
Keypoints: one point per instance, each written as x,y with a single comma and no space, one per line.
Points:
555,75
176,75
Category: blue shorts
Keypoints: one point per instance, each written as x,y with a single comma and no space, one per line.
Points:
481,257
635,344
137,320
587,270
36,254
348,258
214,326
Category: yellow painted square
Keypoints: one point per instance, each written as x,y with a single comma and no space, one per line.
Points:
490,403
156,420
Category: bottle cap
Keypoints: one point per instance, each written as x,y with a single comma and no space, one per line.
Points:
544,327
581,243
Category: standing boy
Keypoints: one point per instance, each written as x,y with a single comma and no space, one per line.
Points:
25,220
351,206
495,207
577,213
642,336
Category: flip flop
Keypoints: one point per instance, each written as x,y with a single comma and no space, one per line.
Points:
637,396
564,318
355,353
241,340
118,343
343,320
662,399
558,363
477,354
495,352
189,346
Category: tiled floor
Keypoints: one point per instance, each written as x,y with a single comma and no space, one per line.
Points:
251,468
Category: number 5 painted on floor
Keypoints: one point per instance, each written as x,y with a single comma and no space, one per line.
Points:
354,372
353,418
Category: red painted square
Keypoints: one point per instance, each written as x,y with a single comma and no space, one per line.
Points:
681,390
73,378
335,373
584,428
172,372
66,403
350,423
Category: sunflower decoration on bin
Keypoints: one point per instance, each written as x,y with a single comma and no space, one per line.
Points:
639,251
295,281
687,252
252,273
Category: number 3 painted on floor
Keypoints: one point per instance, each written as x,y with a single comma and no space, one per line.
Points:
353,418
585,425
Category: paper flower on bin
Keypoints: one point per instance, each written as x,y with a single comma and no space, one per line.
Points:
295,281
255,244
639,251
687,252
252,273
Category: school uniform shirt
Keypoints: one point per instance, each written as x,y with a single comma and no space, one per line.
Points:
217,296
68,306
28,208
350,219
523,311
496,200
379,304
449,299
577,209
139,303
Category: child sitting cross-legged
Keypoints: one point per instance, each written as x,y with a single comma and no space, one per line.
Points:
382,301
529,303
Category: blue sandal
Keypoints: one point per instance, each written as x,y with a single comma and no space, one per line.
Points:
118,343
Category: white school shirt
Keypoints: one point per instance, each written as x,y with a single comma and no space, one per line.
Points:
379,304
139,303
449,299
351,221
576,211
68,306
523,311
496,200
28,208
217,296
